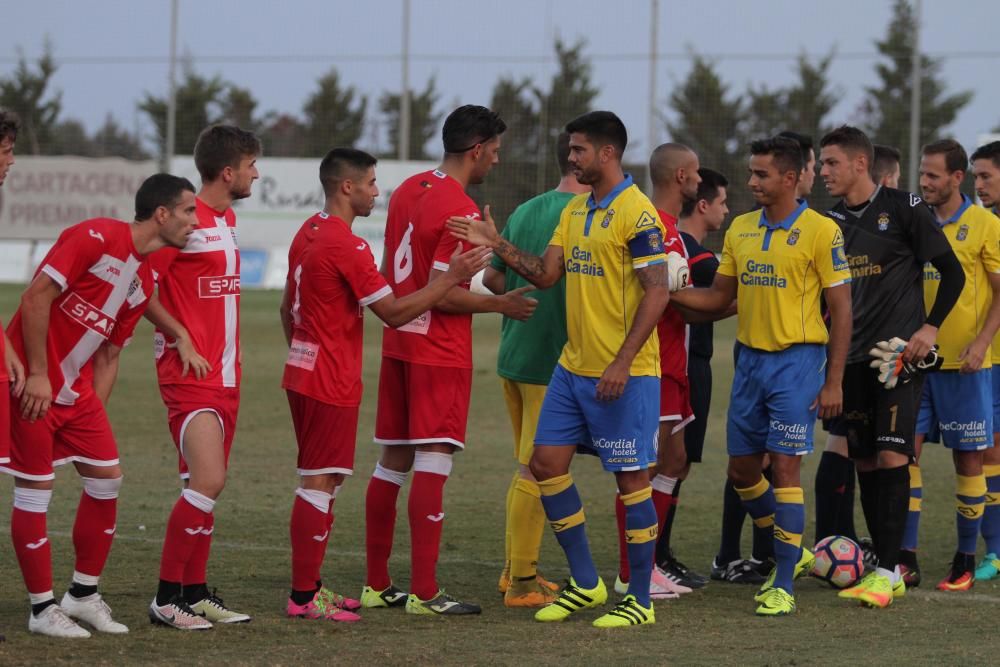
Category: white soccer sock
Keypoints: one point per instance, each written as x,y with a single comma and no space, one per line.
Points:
392,476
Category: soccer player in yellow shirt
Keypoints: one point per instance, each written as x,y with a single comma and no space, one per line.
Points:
986,169
777,262
604,393
957,403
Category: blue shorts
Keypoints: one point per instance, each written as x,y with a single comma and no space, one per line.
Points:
622,433
995,374
958,409
770,406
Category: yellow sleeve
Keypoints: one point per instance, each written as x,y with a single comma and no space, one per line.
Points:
991,244
727,266
559,234
829,255
644,235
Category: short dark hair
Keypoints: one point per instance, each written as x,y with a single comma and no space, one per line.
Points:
885,162
804,141
159,190
469,125
785,152
955,157
221,146
711,182
10,125
990,151
339,162
851,140
562,153
601,129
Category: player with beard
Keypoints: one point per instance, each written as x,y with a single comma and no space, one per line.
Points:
957,404
889,236
673,170
986,169
197,347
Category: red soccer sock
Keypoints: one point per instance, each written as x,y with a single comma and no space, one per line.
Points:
30,537
624,572
380,524
184,529
310,531
93,533
663,502
430,472
196,571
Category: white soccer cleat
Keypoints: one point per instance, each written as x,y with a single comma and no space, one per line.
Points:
53,622
662,588
94,611
176,614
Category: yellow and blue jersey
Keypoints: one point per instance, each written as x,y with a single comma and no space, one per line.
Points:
604,243
781,269
974,235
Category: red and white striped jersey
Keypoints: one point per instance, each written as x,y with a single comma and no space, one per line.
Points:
3,366
200,287
105,285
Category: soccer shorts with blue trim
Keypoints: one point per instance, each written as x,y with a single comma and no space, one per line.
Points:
622,432
770,408
957,408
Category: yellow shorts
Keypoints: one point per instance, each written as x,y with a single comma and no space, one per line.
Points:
524,403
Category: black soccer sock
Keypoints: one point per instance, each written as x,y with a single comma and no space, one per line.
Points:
38,608
831,484
668,522
893,506
79,591
868,485
303,597
763,538
845,517
733,516
195,593
167,591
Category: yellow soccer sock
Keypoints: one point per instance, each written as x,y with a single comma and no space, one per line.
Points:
526,523
509,518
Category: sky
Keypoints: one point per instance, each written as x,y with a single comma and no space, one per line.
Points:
111,52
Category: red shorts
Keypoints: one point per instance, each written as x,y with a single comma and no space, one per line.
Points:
675,401
78,433
184,401
326,435
5,409
420,404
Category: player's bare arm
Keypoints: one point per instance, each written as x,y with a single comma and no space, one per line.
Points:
285,311
36,305
106,370
719,299
542,272
168,324
972,356
494,280
831,396
462,267
15,369
513,304
700,317
656,286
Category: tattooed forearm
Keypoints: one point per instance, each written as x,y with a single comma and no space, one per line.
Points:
529,266
653,276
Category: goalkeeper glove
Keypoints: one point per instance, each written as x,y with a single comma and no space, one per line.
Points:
678,273
887,359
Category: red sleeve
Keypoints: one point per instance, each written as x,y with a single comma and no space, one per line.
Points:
161,260
127,321
77,249
447,243
357,265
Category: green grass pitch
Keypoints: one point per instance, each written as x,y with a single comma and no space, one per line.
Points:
250,559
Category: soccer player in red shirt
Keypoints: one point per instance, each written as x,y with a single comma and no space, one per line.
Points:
75,317
331,278
196,313
426,373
